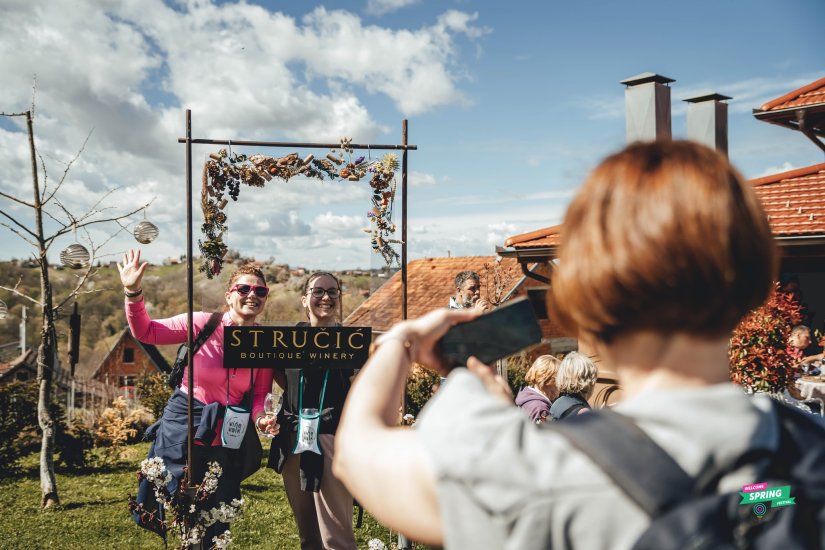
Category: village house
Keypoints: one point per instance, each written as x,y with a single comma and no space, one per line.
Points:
126,360
794,200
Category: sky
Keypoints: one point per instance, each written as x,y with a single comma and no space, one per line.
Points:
510,105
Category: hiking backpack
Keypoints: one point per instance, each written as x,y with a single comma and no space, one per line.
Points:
689,513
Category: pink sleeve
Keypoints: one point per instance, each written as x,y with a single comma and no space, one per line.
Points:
263,386
161,331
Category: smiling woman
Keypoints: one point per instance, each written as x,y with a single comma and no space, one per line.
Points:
217,392
303,452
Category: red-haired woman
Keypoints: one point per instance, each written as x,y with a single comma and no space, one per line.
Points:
215,387
664,249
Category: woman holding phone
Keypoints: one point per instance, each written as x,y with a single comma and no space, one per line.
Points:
664,249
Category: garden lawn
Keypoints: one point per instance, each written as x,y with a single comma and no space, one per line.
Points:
93,512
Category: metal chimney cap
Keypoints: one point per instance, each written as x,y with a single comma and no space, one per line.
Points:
713,96
645,78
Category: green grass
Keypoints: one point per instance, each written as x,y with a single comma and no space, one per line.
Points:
93,512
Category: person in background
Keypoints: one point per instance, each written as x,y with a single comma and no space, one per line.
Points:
320,502
537,396
477,473
575,380
468,292
799,341
215,387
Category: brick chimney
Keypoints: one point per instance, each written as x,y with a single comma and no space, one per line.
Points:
647,107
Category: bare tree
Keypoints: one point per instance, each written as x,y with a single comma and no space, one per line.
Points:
66,223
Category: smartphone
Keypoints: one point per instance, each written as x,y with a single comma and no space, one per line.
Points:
504,331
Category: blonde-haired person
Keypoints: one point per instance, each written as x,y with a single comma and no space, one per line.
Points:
575,380
537,396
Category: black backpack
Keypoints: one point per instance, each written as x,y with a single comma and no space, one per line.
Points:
175,376
688,513
567,405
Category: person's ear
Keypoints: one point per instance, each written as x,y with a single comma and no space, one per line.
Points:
226,296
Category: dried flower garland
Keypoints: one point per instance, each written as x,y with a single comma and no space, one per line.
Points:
224,173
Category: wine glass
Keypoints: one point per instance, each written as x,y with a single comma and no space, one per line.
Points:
272,406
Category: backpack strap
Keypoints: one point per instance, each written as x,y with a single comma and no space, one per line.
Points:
206,331
639,466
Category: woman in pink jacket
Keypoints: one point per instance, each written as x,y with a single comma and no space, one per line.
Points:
215,391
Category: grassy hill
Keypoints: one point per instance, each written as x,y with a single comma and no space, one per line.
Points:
101,302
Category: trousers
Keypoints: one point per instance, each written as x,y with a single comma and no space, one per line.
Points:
324,518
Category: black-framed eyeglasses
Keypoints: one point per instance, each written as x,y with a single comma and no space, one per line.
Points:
318,292
243,290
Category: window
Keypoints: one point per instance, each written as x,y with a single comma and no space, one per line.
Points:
125,381
129,355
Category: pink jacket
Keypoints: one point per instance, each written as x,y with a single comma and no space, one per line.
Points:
210,377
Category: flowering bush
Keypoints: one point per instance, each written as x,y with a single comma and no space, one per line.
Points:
760,358
187,508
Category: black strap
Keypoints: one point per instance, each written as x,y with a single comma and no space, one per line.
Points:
639,466
206,331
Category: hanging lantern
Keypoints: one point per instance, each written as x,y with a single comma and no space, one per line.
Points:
75,256
4,309
145,232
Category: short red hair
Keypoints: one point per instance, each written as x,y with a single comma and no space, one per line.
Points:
664,236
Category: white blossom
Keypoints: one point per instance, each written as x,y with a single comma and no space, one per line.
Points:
223,540
376,544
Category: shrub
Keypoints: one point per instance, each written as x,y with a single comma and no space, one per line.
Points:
759,356
153,392
517,367
73,444
18,423
420,386
114,428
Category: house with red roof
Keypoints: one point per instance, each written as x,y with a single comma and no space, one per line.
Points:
430,284
794,201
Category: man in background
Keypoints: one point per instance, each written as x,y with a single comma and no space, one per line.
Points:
468,292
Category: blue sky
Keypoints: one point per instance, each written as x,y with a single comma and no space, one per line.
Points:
509,103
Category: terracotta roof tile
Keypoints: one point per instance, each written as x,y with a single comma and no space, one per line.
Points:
794,200
429,286
810,94
548,236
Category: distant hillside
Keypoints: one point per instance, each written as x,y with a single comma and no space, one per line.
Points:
101,304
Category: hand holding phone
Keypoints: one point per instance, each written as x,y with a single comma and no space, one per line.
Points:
504,331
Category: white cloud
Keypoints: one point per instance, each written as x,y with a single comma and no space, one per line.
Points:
771,170
381,7
421,179
244,71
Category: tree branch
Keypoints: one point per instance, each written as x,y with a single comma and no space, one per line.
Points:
45,173
12,114
83,224
13,230
15,199
18,224
18,293
69,164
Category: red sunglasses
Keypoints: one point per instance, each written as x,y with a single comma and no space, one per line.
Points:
243,290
